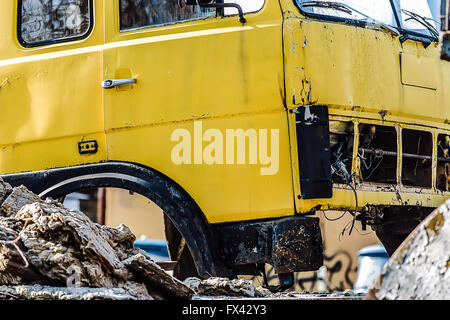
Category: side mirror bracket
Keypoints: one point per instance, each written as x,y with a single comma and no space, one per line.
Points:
215,4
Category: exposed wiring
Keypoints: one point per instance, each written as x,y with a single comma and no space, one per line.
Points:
334,219
356,207
374,169
363,160
354,214
341,234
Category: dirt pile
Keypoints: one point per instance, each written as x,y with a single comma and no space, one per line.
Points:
49,251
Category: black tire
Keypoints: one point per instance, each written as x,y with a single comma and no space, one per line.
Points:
179,252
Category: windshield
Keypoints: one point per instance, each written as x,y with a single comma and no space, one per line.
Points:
379,10
417,16
420,16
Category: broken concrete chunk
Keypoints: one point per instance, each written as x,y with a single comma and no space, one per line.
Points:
19,197
87,239
118,235
225,287
38,292
14,270
148,272
44,243
420,268
5,190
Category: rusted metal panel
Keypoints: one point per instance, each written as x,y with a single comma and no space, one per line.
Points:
289,245
297,245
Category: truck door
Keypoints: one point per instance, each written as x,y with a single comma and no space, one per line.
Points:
168,67
50,84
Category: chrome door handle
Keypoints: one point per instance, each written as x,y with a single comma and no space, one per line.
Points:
108,84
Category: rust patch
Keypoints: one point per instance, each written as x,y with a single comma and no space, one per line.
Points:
434,225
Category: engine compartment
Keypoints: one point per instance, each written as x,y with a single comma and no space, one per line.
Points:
389,155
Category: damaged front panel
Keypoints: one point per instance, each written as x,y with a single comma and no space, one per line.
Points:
382,163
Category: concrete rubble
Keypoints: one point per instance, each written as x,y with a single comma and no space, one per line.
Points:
48,252
215,287
39,292
420,268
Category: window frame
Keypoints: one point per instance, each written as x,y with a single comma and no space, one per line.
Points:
25,44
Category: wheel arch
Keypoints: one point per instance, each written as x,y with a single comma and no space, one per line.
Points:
175,202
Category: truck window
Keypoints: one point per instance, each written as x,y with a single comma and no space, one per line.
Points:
369,11
46,21
145,13
421,16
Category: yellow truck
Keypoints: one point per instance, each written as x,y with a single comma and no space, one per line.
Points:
240,119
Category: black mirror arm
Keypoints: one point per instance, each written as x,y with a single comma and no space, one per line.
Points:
225,5
206,4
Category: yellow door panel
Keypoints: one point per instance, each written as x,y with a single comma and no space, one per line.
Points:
50,98
55,98
47,154
216,72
